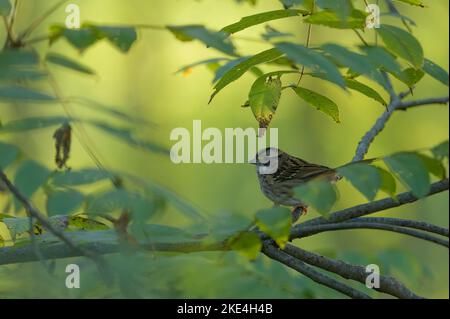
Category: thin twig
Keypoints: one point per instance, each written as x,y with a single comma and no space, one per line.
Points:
388,285
36,23
404,223
307,231
409,104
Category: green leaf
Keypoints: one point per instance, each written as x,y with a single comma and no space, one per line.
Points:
272,33
435,71
366,90
31,123
23,58
356,62
239,70
22,94
320,102
411,171
64,202
212,39
264,97
8,154
247,244
84,223
343,8
121,37
380,57
63,61
356,20
5,8
17,226
311,59
402,44
259,18
275,222
441,151
434,166
81,177
363,177
388,184
410,76
413,2
319,194
30,176
81,38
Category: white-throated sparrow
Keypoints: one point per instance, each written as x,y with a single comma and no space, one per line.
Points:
279,173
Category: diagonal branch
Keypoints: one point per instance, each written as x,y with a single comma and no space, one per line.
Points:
296,264
388,285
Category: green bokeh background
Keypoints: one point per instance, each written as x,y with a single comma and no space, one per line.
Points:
143,83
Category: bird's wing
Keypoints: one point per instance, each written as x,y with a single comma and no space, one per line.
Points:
298,171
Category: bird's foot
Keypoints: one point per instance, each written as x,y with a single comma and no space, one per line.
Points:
298,211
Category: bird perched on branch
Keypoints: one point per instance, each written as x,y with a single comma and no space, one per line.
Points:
279,173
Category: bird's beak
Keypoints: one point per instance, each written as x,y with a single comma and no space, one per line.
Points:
252,161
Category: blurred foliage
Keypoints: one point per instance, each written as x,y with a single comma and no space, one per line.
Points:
72,76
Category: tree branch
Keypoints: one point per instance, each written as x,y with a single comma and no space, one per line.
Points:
388,285
395,104
373,207
307,231
405,223
296,264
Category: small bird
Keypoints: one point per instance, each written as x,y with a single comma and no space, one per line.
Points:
279,173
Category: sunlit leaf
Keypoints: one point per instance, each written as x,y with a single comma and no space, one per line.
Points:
343,8
363,177
239,70
356,20
366,90
64,202
275,222
319,194
320,102
311,59
410,76
402,44
247,244
259,18
264,97
68,63
435,71
411,171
